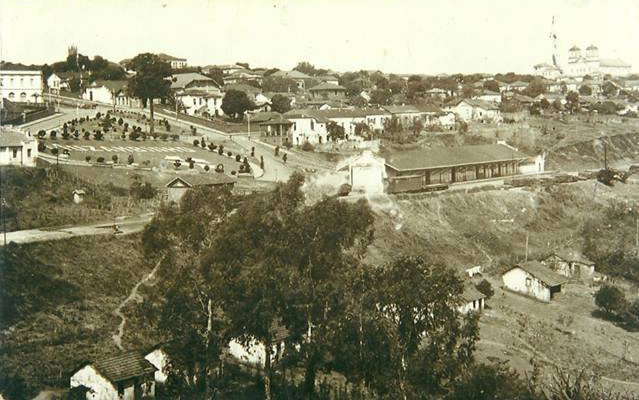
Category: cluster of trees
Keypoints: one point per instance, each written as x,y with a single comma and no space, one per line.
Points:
271,263
98,68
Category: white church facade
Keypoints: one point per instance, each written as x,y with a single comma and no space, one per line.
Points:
581,63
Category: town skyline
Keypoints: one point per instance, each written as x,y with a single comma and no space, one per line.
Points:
389,37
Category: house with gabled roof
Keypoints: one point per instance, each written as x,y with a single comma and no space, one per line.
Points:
327,91
176,62
535,280
406,114
308,126
17,147
472,300
191,79
123,376
570,263
475,110
178,186
206,101
110,92
274,127
301,79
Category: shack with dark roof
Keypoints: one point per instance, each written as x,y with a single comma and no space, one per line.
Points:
535,280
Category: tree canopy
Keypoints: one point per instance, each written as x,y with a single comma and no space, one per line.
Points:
235,103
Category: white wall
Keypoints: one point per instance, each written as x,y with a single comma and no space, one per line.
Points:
308,129
521,281
101,388
159,359
24,155
100,94
376,122
476,305
22,86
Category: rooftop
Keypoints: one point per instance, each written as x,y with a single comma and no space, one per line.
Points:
572,255
543,273
445,157
113,86
401,109
291,74
206,179
124,366
182,80
613,62
326,86
167,57
471,294
13,138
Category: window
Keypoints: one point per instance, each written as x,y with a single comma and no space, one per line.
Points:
23,96
528,282
12,95
15,153
312,125
32,81
21,81
29,153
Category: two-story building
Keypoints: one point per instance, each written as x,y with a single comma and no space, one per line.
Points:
328,91
307,127
176,62
21,86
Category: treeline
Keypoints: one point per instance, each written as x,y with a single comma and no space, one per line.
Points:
273,269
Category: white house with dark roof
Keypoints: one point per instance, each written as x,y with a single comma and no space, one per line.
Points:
308,126
112,93
126,376
535,280
473,300
570,263
201,101
178,186
17,147
191,79
475,110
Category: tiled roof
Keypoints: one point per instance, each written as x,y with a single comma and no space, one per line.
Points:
113,86
401,109
543,273
124,366
572,255
12,138
167,57
306,114
471,294
445,157
204,179
291,74
326,86
181,80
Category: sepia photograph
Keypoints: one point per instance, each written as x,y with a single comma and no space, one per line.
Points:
319,200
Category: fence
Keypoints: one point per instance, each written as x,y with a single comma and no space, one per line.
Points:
27,117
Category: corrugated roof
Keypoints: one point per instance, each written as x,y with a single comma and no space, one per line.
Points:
124,366
445,157
543,273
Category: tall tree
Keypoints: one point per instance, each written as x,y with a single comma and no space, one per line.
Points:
150,80
280,103
235,103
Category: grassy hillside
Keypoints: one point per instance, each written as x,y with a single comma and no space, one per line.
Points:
65,300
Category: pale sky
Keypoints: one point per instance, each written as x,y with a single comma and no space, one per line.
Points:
421,36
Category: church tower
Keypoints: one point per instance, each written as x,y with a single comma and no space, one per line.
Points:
574,54
592,53
72,50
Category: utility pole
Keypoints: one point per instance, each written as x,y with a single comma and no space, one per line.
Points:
4,224
526,255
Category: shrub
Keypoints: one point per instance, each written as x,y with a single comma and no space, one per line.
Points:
98,115
55,151
87,158
228,153
203,143
485,288
76,134
196,142
164,136
130,159
307,146
100,159
120,121
175,137
114,158
177,164
238,158
233,172
207,168
53,134
219,168
42,146
87,135
611,300
42,133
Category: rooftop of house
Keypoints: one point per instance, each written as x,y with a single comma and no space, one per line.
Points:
13,138
113,86
326,86
522,98
541,272
167,57
201,92
572,255
401,109
205,179
182,80
124,366
306,114
242,87
613,62
454,156
471,293
476,103
291,74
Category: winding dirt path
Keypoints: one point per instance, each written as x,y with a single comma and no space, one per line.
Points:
117,338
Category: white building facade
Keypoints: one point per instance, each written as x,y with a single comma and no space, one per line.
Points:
22,86
17,148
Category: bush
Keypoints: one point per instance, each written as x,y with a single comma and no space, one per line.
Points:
228,153
196,142
120,121
87,158
175,137
53,134
307,146
164,136
42,133
98,115
55,151
219,168
207,168
233,172
611,300
114,158
238,158
87,135
42,146
130,160
203,144
485,288
100,159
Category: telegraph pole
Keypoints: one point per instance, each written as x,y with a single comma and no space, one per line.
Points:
4,224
